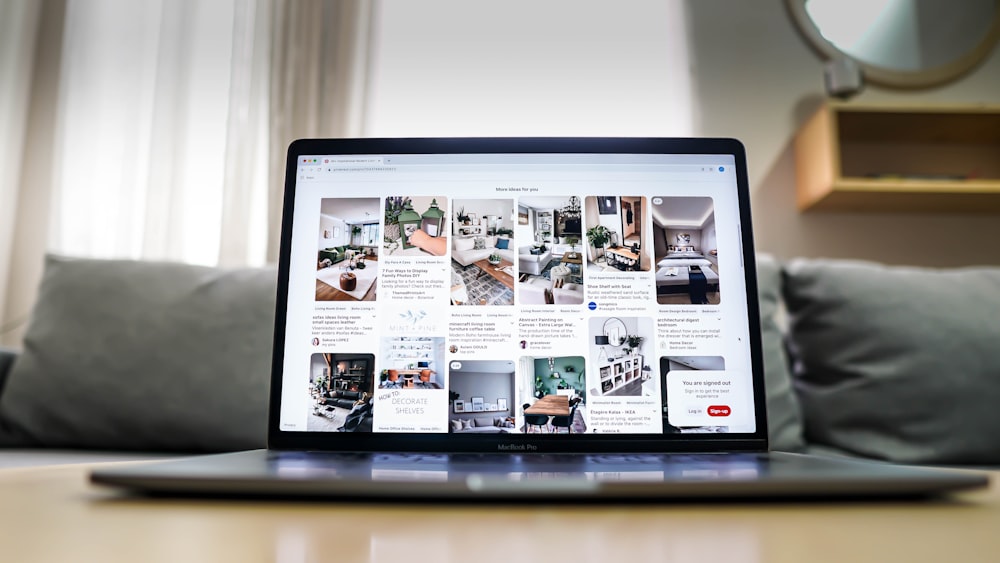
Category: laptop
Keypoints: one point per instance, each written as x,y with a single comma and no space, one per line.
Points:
550,318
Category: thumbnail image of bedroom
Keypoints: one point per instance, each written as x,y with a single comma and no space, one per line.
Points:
549,233
553,395
347,261
412,362
341,391
620,352
617,234
481,395
686,251
482,252
416,226
670,364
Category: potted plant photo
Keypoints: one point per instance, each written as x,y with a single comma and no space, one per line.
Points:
633,341
598,236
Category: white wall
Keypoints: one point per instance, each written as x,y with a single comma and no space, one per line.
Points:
482,208
340,232
523,67
709,240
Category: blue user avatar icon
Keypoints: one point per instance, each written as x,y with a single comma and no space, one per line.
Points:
722,169
592,306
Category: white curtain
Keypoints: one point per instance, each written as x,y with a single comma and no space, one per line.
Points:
151,132
18,28
319,79
160,130
175,115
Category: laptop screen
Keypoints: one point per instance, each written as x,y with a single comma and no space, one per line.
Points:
509,293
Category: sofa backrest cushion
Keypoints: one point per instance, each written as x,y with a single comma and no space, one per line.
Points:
143,356
897,363
784,418
7,357
463,243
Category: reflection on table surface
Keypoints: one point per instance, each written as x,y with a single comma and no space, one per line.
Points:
53,514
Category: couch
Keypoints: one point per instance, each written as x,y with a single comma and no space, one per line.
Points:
534,264
567,294
342,399
336,253
130,360
481,425
560,246
535,290
464,251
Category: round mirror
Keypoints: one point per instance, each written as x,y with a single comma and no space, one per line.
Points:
901,43
614,329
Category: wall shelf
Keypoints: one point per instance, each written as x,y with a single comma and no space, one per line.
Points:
619,373
890,159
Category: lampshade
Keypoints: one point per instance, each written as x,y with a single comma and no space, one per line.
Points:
601,340
431,221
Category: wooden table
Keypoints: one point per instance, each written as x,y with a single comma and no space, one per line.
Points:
54,515
494,271
552,405
624,253
567,259
410,374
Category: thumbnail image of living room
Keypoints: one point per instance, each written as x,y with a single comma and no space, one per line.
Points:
341,391
549,232
412,362
673,364
553,397
482,252
416,226
620,352
347,261
481,396
686,251
617,234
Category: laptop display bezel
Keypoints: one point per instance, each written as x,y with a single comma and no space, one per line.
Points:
517,443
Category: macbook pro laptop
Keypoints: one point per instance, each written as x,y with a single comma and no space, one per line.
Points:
564,318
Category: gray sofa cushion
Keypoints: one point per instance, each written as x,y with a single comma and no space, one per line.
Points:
784,418
7,357
898,363
129,355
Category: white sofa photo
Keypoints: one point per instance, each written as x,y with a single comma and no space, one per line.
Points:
540,291
533,264
560,247
464,251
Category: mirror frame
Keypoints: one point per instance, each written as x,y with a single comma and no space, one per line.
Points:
624,338
883,76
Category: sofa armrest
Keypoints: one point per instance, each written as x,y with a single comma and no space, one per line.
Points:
7,358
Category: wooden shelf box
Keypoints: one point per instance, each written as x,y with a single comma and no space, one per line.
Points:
917,159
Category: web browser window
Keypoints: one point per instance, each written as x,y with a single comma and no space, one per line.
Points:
517,293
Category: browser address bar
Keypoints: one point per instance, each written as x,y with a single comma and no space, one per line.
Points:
358,160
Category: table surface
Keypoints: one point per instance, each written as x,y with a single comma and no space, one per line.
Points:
495,272
54,514
567,259
624,252
554,405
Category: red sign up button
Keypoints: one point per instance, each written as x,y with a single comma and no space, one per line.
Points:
719,410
